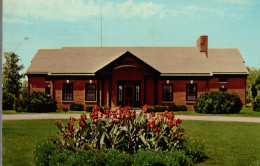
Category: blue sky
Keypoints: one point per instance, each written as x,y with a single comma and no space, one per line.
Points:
32,24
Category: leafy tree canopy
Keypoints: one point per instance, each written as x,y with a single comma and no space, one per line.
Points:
11,73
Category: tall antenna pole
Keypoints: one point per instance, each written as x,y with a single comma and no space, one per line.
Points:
101,22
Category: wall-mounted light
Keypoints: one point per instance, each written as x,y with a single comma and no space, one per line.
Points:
191,81
68,81
167,81
90,81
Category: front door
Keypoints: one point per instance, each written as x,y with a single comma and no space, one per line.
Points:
129,95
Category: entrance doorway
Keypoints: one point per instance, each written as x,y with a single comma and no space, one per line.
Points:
129,93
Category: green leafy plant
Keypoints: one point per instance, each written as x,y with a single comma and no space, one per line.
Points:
8,100
35,102
216,102
256,104
76,107
121,129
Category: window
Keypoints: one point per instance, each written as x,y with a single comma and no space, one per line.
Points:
67,92
90,94
137,89
223,80
167,94
120,93
191,92
48,90
223,89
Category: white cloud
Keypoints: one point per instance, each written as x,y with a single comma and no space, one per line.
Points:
233,1
70,10
74,10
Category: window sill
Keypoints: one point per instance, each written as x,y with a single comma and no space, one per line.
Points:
190,101
223,82
67,101
167,102
91,101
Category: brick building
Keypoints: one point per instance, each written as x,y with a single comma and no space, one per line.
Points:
136,76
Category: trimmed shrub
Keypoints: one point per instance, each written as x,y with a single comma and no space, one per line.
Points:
36,102
8,100
76,107
103,108
89,108
48,153
157,108
216,102
256,104
180,108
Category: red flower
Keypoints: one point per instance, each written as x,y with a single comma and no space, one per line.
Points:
115,120
170,124
72,119
150,124
83,116
69,124
132,142
58,123
95,108
157,129
178,121
171,116
145,108
95,121
94,114
152,114
82,124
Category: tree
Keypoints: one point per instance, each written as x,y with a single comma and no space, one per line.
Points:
253,79
11,74
254,91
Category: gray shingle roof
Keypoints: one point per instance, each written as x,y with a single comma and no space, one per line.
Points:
167,60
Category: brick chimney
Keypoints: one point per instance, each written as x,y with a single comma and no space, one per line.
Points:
202,44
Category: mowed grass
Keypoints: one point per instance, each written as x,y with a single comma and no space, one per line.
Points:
245,112
227,143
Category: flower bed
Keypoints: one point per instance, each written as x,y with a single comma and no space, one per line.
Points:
125,132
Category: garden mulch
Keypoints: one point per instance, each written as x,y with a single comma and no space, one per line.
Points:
183,117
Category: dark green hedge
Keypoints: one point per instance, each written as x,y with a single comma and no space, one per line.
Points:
77,107
157,108
36,102
102,108
8,100
216,102
256,104
180,108
48,154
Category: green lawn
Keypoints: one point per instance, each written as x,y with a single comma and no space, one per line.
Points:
57,112
227,143
245,112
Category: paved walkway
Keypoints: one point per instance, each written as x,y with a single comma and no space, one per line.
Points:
183,117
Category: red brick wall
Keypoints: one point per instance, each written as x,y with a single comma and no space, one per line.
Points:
37,84
129,73
234,84
78,92
179,91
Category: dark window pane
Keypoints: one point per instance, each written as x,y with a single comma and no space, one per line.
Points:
67,92
191,92
48,90
167,94
223,80
223,89
90,92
